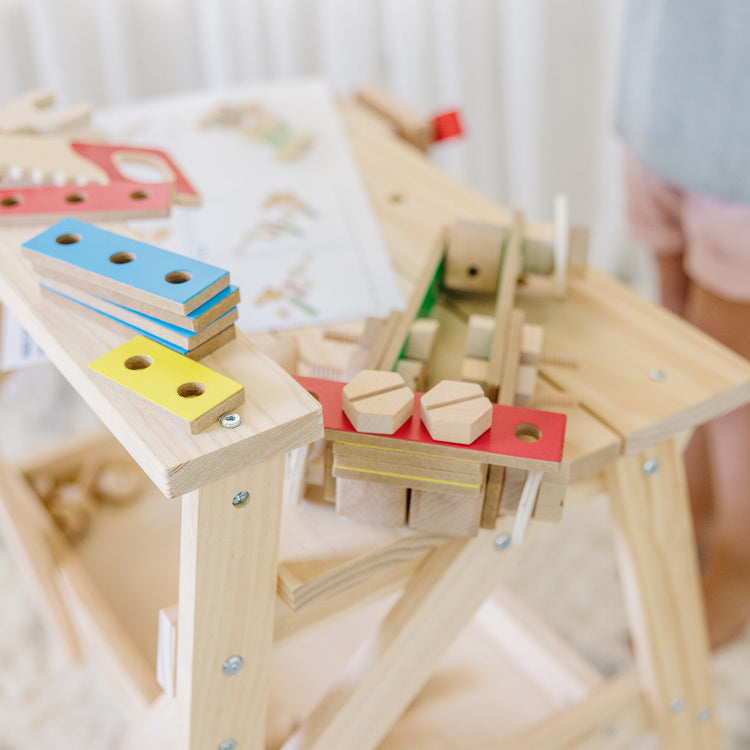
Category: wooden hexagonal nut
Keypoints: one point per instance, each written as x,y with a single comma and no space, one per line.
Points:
377,401
456,412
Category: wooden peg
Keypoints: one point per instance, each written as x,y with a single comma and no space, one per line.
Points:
456,412
377,401
408,124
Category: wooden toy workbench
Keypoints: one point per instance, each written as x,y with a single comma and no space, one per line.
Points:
519,686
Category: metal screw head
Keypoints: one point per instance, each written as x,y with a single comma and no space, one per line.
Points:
240,498
703,714
502,542
228,745
650,466
657,375
677,705
232,665
230,420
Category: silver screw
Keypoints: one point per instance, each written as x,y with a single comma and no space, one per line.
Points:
650,466
703,714
240,498
232,665
502,541
657,375
228,745
230,420
677,705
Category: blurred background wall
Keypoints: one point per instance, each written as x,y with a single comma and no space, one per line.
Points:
532,78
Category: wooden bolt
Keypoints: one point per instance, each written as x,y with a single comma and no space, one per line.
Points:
456,412
377,401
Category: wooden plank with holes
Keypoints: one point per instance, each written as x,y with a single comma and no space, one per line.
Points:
190,393
122,269
527,438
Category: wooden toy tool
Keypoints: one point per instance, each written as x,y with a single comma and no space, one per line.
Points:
32,112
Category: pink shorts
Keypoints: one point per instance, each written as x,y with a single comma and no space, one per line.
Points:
712,235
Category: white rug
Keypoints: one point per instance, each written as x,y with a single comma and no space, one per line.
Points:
568,575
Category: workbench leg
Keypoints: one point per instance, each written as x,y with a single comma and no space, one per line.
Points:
391,667
658,566
228,561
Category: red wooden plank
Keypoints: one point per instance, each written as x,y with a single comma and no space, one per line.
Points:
107,157
499,445
117,200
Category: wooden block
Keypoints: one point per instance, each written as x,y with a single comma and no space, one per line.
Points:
479,333
443,513
507,376
473,258
403,476
412,459
492,496
32,112
474,370
185,391
377,401
526,438
198,352
149,325
117,201
371,502
525,385
421,341
456,412
123,268
196,320
413,373
549,501
532,339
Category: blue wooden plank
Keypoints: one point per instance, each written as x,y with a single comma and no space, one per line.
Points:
93,312
129,263
160,328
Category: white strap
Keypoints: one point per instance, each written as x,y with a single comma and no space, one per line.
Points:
526,505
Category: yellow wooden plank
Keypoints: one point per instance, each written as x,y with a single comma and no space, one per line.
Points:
189,390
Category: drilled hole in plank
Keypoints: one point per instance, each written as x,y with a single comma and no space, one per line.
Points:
10,201
120,258
138,362
527,433
68,239
191,390
178,277
76,198
139,195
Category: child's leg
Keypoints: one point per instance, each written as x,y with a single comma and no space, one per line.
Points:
674,285
727,575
